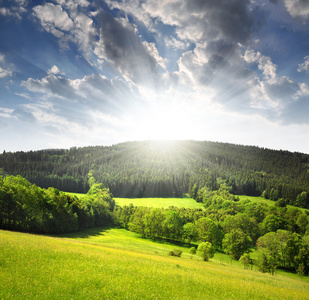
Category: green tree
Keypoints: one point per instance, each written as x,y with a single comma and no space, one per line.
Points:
244,223
205,250
208,231
246,260
272,223
302,258
189,232
302,223
236,243
267,263
172,225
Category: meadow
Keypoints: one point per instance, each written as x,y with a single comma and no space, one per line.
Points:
160,202
257,199
111,263
177,202
155,202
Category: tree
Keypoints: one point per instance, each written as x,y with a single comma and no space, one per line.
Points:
302,199
267,263
246,260
189,232
205,250
172,225
302,223
302,258
244,223
272,223
207,231
236,243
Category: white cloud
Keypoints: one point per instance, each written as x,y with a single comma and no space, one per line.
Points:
15,9
53,16
297,8
153,51
264,63
6,112
304,66
176,43
5,72
68,24
54,70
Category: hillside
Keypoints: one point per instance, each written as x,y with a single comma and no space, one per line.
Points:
117,264
167,169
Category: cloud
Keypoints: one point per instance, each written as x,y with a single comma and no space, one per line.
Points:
53,18
176,43
54,70
75,26
51,85
264,63
14,9
78,100
233,21
304,66
23,115
6,112
5,72
297,8
120,46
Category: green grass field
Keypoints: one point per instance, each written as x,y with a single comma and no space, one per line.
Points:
255,199
155,202
160,202
117,264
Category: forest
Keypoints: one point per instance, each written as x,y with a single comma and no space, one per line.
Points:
168,169
28,208
227,224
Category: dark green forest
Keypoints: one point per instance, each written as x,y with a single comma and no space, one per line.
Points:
168,169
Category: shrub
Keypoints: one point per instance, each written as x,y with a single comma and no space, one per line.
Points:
192,250
175,252
205,250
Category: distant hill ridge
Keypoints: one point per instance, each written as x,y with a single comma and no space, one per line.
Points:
166,169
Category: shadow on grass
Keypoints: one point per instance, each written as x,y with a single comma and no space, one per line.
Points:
101,231
87,233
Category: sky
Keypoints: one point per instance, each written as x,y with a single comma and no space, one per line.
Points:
75,73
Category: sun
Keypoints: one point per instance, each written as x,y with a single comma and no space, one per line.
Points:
164,123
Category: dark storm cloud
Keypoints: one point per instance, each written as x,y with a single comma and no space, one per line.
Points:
120,46
235,21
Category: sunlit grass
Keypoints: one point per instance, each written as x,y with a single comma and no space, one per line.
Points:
257,199
103,264
160,202
155,202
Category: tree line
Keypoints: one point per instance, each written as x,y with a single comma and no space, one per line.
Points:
231,226
170,169
225,225
29,208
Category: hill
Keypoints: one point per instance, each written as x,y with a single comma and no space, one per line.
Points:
116,264
167,169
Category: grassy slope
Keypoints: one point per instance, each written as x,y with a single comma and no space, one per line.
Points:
155,202
116,264
160,202
255,199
